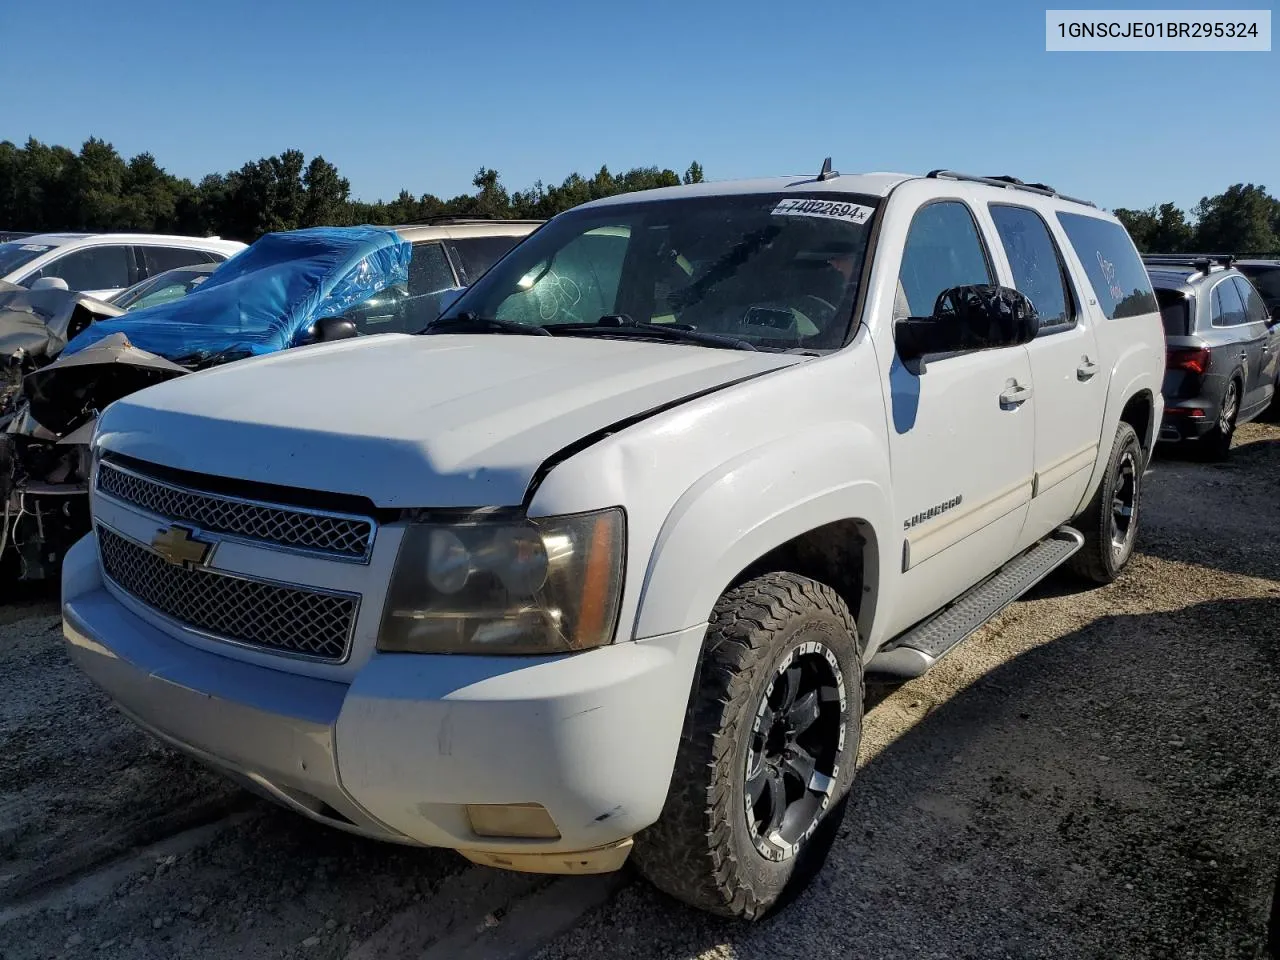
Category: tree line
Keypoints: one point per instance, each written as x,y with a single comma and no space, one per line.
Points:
1243,219
47,187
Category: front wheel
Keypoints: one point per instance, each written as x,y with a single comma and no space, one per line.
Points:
768,751
1110,522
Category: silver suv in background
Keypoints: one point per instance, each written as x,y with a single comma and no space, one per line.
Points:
103,264
1222,350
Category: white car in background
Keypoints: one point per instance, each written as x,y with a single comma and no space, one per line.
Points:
103,264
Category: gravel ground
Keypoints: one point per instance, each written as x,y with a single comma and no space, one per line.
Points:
1095,774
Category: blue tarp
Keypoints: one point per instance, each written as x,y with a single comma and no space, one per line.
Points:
264,297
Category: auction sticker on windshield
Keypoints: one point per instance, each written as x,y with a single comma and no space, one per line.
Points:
833,209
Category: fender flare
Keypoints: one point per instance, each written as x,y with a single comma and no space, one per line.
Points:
758,501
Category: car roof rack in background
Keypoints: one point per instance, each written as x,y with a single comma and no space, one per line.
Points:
1009,183
1201,262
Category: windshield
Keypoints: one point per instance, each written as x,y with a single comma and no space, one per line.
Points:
170,285
778,271
15,253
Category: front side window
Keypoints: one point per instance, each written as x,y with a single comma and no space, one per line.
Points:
1227,309
775,272
477,254
1038,271
91,268
943,250
429,270
1115,271
1254,309
1266,279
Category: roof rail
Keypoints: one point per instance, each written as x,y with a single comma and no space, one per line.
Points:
462,218
1009,183
1201,262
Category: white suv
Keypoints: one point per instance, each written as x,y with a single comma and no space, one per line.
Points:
599,564
103,264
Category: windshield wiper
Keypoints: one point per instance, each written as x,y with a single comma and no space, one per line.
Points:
468,322
615,325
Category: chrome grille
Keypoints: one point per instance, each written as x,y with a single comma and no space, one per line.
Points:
276,618
292,527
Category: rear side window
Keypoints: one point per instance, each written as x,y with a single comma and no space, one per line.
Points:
1175,312
91,268
478,254
943,250
160,259
1228,308
1111,262
429,270
1036,263
1255,310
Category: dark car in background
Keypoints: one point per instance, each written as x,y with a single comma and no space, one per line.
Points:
1223,350
1265,276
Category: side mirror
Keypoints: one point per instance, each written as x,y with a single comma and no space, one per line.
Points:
49,283
971,317
333,328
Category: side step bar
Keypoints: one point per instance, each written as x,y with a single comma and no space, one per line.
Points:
911,654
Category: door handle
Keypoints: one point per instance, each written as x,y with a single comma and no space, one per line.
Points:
1086,370
1014,396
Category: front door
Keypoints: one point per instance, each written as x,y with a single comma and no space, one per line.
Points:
1257,322
962,429
1065,367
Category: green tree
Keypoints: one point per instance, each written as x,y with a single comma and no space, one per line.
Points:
1242,219
326,193
694,173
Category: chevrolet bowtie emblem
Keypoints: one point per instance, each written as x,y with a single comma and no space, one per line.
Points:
179,546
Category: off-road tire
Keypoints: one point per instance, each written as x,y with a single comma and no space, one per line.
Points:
701,850
1215,446
1097,560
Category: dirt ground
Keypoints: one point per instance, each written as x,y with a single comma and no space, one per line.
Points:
1095,774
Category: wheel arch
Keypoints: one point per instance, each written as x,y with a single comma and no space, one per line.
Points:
791,504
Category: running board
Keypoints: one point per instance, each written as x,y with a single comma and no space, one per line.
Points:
911,654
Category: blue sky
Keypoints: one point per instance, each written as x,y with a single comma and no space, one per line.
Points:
420,94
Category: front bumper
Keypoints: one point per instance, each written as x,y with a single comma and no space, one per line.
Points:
401,750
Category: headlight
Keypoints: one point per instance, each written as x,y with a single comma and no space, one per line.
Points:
506,586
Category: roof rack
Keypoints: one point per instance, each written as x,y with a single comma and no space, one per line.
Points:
1202,262
462,218
1009,183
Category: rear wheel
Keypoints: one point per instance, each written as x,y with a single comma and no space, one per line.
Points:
767,754
1110,522
1216,444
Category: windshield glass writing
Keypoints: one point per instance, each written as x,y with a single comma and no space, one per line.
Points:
778,271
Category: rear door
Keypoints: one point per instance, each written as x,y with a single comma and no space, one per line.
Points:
1241,343
1259,324
1069,380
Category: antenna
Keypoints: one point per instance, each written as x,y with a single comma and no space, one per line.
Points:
827,173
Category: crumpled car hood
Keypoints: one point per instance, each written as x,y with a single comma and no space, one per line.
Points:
413,421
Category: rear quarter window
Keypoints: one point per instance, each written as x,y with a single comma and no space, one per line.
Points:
1111,262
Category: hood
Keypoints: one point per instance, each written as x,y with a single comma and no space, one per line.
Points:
266,296
70,391
413,421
